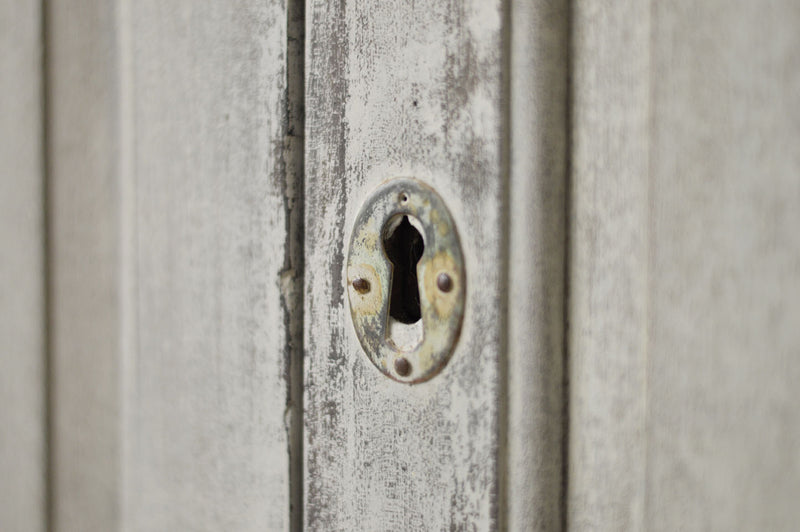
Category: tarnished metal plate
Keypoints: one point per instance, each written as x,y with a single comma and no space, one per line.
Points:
441,282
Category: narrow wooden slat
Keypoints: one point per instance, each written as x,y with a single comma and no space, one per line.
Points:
608,265
412,89
84,255
22,313
207,421
723,428
537,219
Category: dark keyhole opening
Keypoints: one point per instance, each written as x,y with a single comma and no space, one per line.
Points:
404,248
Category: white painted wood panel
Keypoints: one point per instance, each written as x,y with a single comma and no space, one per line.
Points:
176,241
22,275
723,415
403,89
208,410
175,222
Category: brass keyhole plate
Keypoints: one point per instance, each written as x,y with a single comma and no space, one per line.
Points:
440,275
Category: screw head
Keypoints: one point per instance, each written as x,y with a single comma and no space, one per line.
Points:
402,366
444,282
361,285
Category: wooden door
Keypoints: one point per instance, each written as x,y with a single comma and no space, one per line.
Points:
181,182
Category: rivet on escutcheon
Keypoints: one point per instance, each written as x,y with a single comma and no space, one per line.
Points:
444,282
361,285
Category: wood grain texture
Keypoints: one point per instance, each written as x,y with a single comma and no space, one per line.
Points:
22,276
207,404
608,265
723,430
537,227
84,239
411,89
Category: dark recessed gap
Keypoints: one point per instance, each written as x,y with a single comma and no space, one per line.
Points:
294,258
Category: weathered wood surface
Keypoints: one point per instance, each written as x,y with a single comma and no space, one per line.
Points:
84,193
608,265
207,400
175,272
403,89
22,282
537,222
685,267
175,242
723,415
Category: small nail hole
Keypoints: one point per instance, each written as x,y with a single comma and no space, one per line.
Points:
403,197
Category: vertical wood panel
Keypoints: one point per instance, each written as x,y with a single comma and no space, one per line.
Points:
207,403
686,261
174,192
537,219
84,227
412,89
724,342
22,313
608,265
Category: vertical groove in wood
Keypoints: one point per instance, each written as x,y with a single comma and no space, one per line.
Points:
47,250
23,445
294,247
414,90
129,268
537,220
608,265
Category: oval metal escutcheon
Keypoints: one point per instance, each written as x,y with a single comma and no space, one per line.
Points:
406,280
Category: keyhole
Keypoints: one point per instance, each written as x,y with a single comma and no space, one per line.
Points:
404,247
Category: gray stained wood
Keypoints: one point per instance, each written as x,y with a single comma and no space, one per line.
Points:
22,295
175,281
403,89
